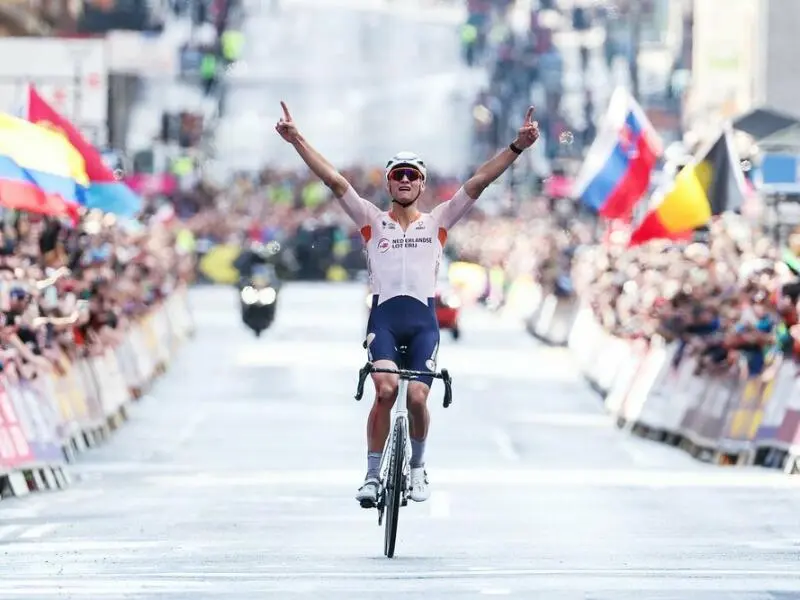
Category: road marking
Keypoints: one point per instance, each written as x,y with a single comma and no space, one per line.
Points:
20,512
70,496
7,530
505,445
38,531
638,456
785,545
184,434
488,572
440,505
148,586
703,476
82,546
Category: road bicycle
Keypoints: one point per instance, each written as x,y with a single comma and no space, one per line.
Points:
395,466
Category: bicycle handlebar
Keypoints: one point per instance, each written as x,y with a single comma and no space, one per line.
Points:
444,375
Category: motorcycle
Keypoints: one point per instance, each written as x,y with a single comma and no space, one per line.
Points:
258,295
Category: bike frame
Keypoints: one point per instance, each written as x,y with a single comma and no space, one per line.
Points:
399,412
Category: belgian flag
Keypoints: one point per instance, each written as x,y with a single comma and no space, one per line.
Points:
704,188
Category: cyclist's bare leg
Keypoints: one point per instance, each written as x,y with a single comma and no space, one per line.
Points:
418,431
418,410
378,425
380,416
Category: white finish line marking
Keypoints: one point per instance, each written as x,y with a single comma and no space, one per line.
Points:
82,546
710,477
477,573
7,530
123,584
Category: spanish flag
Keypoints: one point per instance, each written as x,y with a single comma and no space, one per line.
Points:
702,189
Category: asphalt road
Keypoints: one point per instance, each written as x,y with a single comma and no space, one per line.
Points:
235,479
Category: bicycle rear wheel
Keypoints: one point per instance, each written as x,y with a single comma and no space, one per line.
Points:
394,488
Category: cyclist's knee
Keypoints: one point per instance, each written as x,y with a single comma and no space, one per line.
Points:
385,389
417,395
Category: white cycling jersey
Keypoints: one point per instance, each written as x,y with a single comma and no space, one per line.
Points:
404,263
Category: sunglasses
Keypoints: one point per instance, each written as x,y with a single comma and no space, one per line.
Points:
398,174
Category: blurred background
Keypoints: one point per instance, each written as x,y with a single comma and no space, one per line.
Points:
183,95
654,230
181,98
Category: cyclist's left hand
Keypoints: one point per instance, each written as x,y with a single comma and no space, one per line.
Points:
528,133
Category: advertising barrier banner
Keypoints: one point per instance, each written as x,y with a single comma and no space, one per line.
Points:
659,387
40,418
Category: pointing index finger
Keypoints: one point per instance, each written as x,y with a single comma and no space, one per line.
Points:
529,116
286,114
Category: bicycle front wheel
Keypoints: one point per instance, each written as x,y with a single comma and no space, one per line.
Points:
394,488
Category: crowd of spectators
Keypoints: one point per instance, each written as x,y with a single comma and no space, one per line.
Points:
73,291
537,239
529,66
293,213
216,41
731,300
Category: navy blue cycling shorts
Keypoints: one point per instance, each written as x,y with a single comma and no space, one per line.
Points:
405,321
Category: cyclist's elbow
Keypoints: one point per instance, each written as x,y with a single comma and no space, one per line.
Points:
337,184
474,186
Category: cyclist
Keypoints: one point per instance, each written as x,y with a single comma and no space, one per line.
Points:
404,250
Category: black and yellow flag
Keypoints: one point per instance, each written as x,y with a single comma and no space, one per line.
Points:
720,174
708,186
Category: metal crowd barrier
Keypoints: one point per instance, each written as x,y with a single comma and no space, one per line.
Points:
46,422
655,392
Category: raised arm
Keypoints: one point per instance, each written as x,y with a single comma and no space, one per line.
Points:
494,167
356,207
450,212
287,129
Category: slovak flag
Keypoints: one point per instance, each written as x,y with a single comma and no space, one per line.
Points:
617,168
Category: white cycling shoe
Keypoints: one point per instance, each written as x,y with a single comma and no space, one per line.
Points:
420,491
368,493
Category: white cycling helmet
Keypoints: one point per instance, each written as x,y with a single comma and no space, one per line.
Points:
407,159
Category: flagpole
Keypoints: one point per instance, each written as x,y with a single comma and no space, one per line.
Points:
636,35
26,103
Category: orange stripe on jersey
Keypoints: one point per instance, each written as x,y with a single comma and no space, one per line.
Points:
442,236
366,233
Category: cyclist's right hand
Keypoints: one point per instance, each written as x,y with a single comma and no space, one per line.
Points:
286,127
